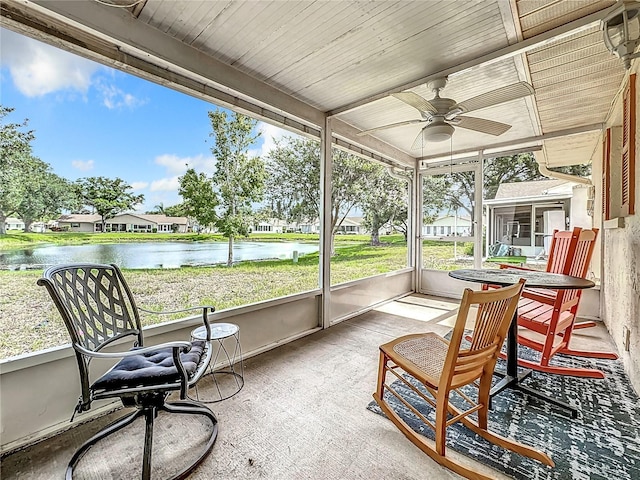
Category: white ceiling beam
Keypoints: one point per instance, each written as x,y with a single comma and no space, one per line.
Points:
510,51
502,146
464,163
347,132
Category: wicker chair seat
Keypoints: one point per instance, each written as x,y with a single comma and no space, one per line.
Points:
151,368
426,353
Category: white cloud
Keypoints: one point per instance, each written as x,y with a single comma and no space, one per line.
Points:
114,98
178,165
270,134
165,184
38,69
83,165
139,185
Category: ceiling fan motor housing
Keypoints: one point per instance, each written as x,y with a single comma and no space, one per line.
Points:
438,131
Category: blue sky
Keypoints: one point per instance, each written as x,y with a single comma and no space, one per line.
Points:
91,120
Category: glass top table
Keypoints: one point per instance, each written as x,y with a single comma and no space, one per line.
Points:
534,279
226,369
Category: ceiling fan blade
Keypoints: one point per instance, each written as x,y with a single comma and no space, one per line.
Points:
420,142
494,97
416,101
481,125
392,125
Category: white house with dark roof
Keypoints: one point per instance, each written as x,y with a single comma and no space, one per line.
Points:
124,222
525,214
448,226
12,223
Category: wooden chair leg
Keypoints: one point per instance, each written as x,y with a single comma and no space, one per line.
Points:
483,399
441,422
382,370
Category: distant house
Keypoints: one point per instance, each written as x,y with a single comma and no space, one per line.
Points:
272,225
348,226
308,227
448,226
17,224
525,214
124,222
351,226
11,223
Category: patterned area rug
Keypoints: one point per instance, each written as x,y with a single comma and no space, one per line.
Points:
602,443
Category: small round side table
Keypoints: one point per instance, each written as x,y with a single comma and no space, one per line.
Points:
224,379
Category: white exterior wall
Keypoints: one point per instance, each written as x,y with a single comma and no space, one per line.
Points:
130,221
462,226
13,224
84,227
620,307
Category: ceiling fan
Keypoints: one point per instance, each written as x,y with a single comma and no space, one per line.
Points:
442,115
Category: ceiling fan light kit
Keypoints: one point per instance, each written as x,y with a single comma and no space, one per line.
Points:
443,115
438,132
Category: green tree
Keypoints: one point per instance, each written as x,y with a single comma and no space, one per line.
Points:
294,173
158,209
521,167
384,201
200,200
434,197
577,170
178,210
238,177
108,197
456,190
45,194
15,157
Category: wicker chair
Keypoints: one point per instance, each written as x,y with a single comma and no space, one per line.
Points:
98,310
443,367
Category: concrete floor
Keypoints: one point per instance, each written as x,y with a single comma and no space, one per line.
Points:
301,414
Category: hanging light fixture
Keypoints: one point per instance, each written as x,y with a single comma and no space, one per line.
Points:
621,30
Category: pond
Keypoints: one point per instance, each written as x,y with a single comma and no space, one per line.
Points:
150,254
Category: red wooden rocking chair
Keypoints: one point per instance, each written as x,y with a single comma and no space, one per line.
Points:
547,317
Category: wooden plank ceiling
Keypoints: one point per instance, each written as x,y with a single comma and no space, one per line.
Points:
344,58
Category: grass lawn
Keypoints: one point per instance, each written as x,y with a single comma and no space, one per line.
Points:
29,321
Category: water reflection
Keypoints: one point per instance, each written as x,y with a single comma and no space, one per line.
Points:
152,255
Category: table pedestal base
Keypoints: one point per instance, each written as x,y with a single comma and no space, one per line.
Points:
225,377
515,383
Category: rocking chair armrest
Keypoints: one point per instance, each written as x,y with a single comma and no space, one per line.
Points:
177,345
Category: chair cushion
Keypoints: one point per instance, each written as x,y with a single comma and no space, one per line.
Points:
149,369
